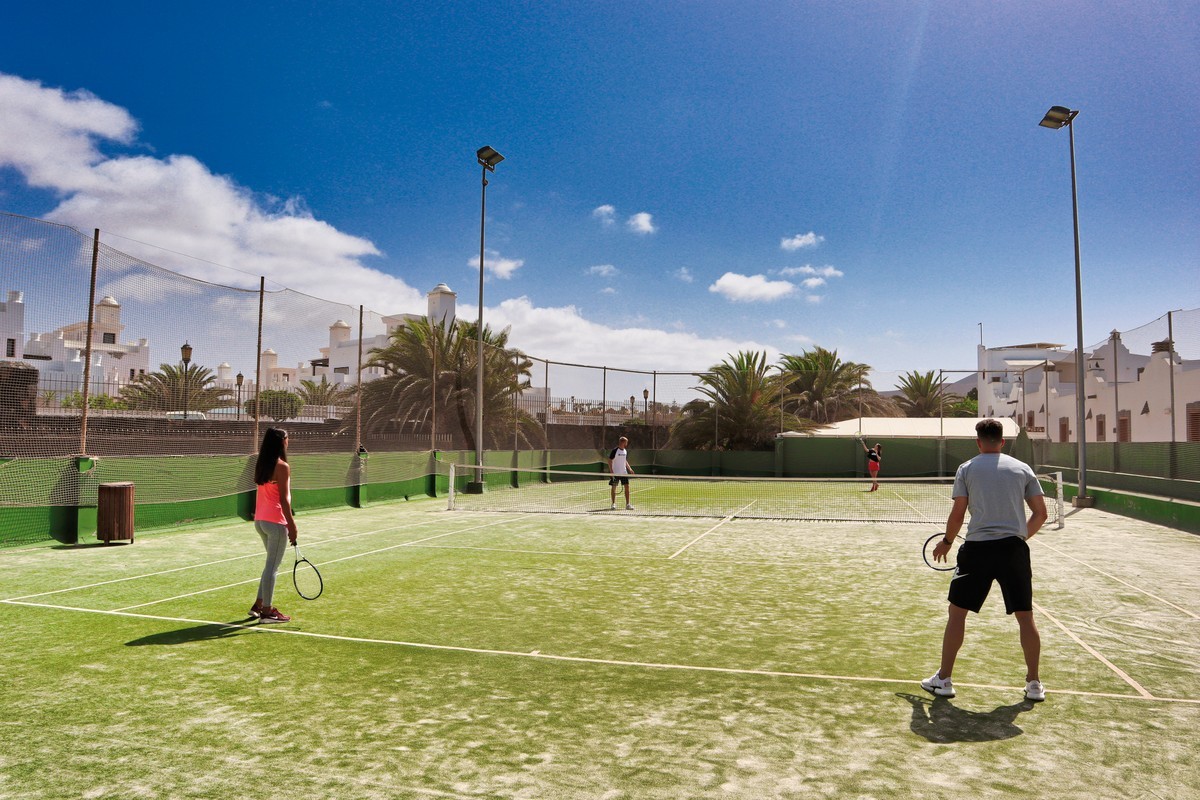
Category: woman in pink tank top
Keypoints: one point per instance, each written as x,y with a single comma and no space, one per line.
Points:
272,518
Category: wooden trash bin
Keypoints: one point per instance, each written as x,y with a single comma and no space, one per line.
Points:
114,512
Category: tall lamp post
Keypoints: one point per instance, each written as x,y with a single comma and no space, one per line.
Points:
488,158
239,379
185,353
646,405
1057,118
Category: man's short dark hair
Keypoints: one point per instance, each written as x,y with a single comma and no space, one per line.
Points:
989,430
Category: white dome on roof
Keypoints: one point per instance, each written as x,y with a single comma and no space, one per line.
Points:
339,324
109,300
269,352
441,288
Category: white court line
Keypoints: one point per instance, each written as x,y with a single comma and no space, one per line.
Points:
1120,673
268,629
1118,580
710,530
255,554
323,563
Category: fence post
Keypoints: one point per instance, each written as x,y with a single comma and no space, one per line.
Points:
603,407
87,346
262,290
1171,384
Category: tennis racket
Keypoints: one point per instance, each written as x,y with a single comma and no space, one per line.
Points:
927,551
306,577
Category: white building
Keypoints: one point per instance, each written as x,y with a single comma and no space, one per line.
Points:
58,355
1128,397
339,360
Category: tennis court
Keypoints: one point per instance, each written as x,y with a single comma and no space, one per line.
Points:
469,654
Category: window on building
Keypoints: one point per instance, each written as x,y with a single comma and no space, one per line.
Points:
1193,422
10,348
1101,428
110,338
1124,426
1029,419
1064,429
141,372
341,370
131,373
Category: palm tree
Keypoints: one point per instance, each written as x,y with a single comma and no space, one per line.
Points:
174,388
432,364
323,393
924,395
825,389
742,410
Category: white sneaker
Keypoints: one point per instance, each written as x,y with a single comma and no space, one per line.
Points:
628,507
1035,692
937,685
612,507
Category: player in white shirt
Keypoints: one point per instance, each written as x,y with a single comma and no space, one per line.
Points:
618,467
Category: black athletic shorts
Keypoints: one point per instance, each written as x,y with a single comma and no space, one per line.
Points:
622,480
1005,561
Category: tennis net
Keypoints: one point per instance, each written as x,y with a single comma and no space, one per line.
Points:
898,500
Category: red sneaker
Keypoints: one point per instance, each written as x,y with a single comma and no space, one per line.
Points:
273,614
256,610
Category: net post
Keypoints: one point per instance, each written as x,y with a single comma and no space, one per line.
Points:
450,491
358,442
1058,501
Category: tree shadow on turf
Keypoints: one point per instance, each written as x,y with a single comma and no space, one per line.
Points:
197,633
939,720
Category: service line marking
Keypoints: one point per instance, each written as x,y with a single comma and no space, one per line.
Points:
1120,673
1191,614
710,530
275,629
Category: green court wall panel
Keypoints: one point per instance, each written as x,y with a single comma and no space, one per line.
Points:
748,464
398,490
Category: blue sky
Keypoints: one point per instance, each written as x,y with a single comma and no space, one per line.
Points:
681,179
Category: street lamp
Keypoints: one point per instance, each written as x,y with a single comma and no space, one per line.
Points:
1057,118
238,379
185,353
488,158
646,405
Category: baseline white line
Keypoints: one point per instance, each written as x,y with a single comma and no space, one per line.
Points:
323,563
1120,673
269,629
710,530
1118,580
256,554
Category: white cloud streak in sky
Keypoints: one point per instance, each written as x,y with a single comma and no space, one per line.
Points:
800,240
750,288
605,213
603,271
642,222
684,274
493,262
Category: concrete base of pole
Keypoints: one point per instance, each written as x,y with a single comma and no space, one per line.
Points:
476,487
1083,502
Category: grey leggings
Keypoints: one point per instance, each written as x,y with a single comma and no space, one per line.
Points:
275,539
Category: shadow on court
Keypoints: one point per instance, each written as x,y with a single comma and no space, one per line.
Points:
939,720
197,633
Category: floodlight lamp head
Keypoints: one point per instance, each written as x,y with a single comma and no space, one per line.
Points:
488,157
185,352
1058,117
239,378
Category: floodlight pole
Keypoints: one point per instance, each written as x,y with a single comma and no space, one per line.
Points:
487,158
1058,117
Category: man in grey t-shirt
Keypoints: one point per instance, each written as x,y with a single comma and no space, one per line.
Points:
995,488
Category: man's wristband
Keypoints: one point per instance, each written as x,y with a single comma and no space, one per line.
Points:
946,541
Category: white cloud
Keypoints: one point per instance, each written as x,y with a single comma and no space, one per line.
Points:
684,274
502,268
814,299
812,283
800,240
777,323
603,271
608,290
641,222
51,138
564,334
808,269
750,288
605,213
